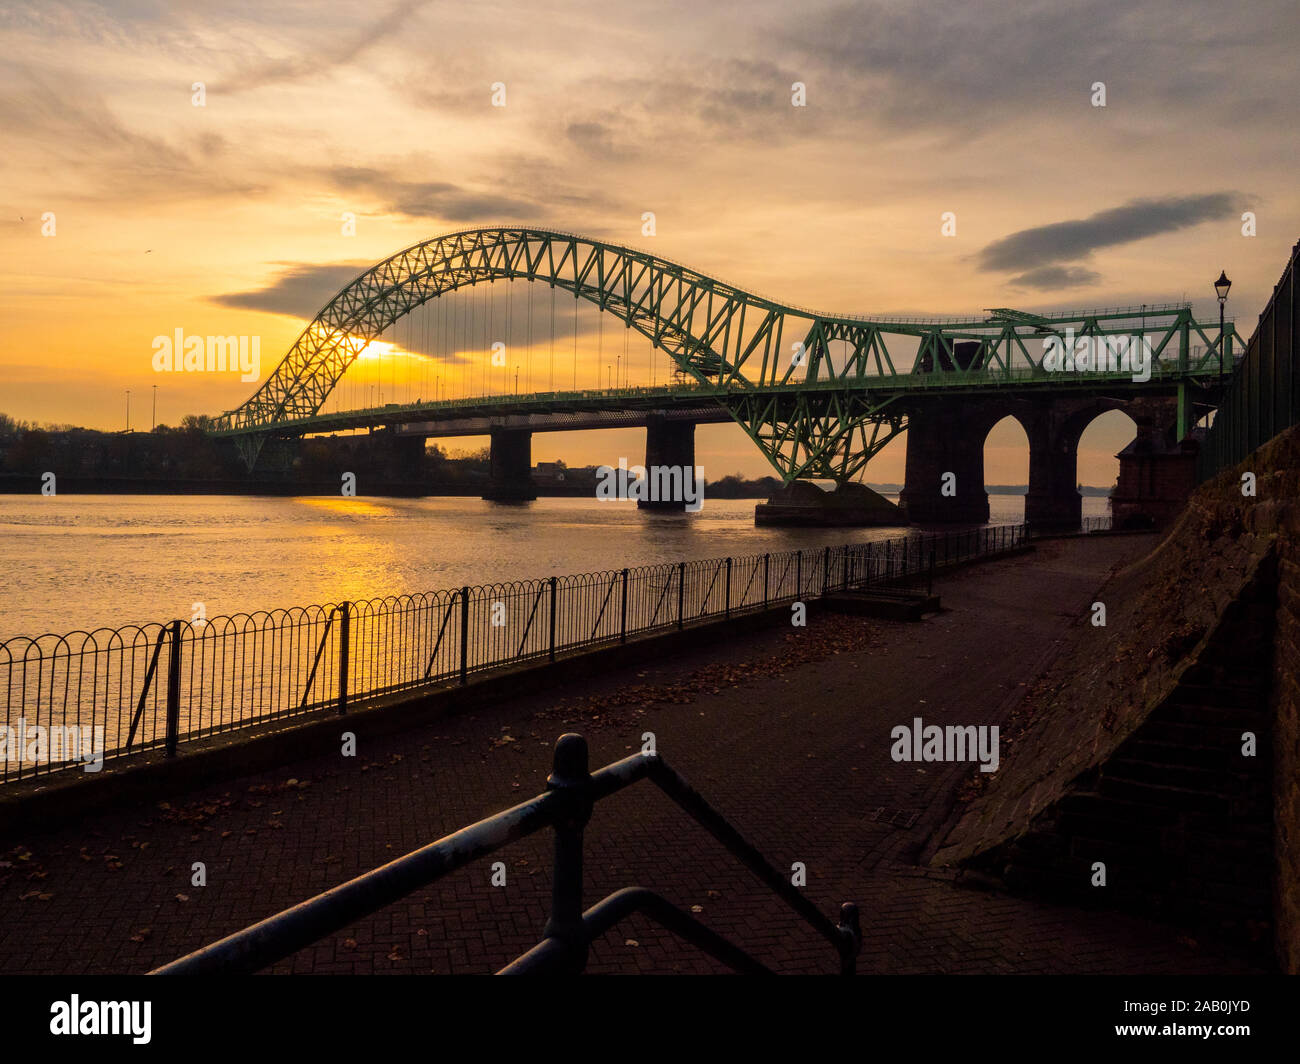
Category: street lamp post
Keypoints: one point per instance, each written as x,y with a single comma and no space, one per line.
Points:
154,425
128,410
1221,287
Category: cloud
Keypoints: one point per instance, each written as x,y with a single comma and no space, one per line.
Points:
675,103
932,65
316,60
593,138
300,291
1045,245
68,124
439,200
1055,277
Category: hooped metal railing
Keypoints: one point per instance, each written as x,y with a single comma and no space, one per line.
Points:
571,794
144,687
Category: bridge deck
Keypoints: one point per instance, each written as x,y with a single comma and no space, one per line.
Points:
628,407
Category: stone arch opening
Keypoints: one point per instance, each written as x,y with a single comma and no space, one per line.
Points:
1006,469
1097,463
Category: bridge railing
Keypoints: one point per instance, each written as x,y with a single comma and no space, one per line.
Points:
572,793
70,702
1263,398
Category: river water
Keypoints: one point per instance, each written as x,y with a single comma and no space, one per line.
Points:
79,562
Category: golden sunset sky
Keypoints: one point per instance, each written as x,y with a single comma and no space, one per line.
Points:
225,218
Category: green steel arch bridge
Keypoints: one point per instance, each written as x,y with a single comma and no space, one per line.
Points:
819,394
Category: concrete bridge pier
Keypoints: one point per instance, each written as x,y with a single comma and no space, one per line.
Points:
669,444
942,440
948,438
511,466
1053,502
1054,429
409,452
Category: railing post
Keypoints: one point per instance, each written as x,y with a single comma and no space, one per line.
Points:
850,928
826,576
345,632
766,560
464,634
554,592
174,689
844,568
728,608
570,776
929,581
622,638
681,595
889,561
904,557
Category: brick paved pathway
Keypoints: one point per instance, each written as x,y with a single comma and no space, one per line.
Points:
797,758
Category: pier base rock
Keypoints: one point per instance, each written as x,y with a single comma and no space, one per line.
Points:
806,505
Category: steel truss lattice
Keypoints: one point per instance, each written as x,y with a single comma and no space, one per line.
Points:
820,406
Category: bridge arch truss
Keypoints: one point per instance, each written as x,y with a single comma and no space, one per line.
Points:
818,394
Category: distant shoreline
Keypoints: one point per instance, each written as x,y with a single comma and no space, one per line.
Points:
18,484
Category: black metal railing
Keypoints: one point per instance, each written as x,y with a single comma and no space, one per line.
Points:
1263,398
144,687
567,805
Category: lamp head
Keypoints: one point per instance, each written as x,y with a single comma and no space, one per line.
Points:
1221,286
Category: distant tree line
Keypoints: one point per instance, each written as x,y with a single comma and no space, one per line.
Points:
172,453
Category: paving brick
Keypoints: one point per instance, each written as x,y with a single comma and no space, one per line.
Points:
745,746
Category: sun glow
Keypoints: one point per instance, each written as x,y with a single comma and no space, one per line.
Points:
379,349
